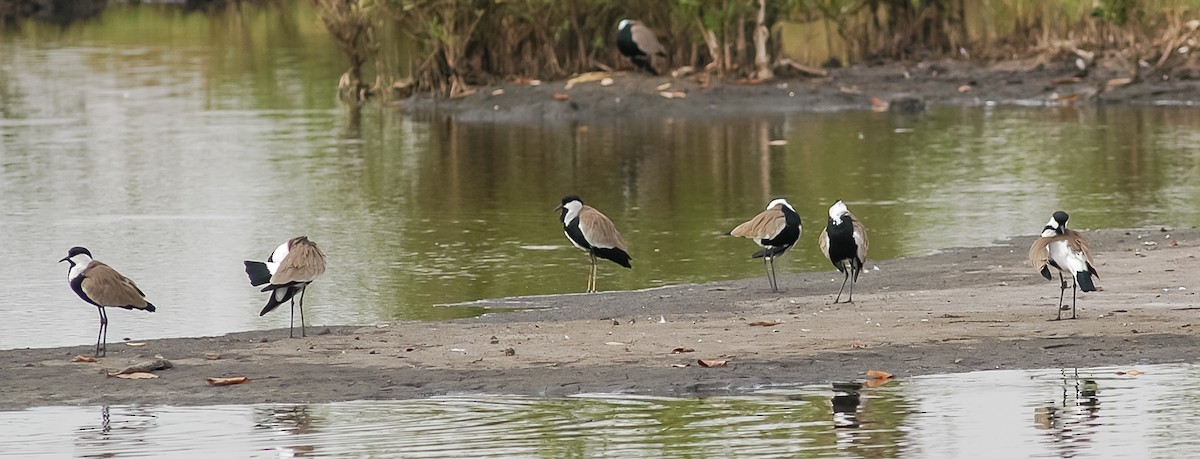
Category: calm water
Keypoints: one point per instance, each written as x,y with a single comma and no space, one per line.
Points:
1041,413
175,145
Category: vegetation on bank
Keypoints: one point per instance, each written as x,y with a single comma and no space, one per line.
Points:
462,43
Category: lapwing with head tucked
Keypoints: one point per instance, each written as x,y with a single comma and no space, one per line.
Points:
288,271
638,43
103,287
591,231
776,230
844,243
1067,251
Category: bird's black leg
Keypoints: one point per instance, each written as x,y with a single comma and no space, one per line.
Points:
1062,291
1074,287
774,277
852,282
592,274
839,296
767,268
302,290
100,334
292,322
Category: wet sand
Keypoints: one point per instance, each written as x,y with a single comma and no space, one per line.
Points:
959,310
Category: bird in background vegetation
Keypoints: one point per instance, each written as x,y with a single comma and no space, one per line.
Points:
775,230
844,242
591,231
638,43
1067,251
103,287
288,271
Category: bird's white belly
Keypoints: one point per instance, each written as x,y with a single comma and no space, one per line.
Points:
1069,260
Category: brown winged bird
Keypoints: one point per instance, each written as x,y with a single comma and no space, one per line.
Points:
639,44
1067,251
590,231
102,286
844,242
776,230
288,271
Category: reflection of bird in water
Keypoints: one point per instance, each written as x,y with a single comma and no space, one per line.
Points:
845,402
1071,422
290,420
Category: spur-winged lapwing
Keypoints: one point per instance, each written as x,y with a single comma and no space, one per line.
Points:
639,44
844,242
1065,250
592,232
288,271
776,230
102,286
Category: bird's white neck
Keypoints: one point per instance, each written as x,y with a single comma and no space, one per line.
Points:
79,262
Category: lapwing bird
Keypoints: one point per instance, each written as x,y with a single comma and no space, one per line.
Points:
639,44
775,230
590,231
844,243
1067,251
288,271
103,287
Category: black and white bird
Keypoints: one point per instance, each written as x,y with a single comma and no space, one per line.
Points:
844,243
1067,251
288,271
103,287
591,231
639,44
776,230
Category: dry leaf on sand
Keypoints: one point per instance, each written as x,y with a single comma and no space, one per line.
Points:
712,363
227,381
83,358
681,350
136,375
766,323
876,374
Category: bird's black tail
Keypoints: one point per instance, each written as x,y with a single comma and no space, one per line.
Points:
278,297
258,272
149,307
1084,280
618,256
643,62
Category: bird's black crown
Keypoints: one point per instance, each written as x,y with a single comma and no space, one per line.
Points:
78,250
570,198
1061,217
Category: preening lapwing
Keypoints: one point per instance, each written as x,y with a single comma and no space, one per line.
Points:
639,44
776,230
1065,250
844,243
592,232
103,287
288,271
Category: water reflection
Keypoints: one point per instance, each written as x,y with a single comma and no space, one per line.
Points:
964,415
166,141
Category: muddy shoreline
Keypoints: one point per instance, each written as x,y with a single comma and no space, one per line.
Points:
904,87
959,310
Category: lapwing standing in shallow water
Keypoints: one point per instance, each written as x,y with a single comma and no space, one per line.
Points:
1065,250
776,229
590,231
639,44
844,242
102,286
288,271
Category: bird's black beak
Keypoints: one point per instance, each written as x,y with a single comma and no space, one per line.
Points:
559,208
64,259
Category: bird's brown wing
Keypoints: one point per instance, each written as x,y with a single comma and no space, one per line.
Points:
109,288
823,243
303,263
1078,243
647,40
599,230
766,225
860,238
